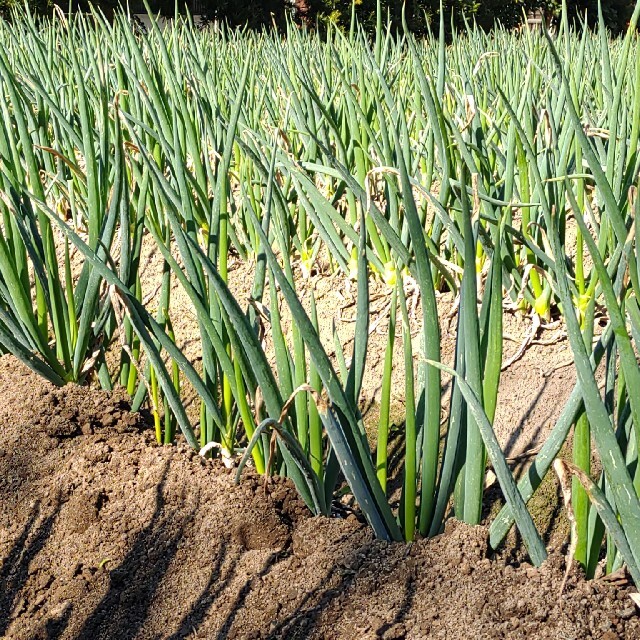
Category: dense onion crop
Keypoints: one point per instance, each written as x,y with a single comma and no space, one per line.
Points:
502,167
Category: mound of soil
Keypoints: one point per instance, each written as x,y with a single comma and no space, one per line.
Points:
105,535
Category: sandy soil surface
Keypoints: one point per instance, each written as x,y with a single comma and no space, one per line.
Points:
105,535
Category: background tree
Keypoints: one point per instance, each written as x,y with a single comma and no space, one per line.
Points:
420,14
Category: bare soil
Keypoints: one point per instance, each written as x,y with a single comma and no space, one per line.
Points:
103,534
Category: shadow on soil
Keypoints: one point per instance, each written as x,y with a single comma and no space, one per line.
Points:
514,439
215,586
133,588
302,622
135,581
15,568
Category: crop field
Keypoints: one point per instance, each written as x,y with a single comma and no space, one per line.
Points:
443,187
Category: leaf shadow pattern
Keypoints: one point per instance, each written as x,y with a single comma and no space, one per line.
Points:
303,619
237,606
15,569
123,610
215,586
56,626
405,606
532,438
347,578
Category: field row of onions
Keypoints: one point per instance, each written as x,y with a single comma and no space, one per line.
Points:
501,168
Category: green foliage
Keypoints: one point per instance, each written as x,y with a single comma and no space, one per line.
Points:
615,13
6,6
434,169
35,6
253,13
421,15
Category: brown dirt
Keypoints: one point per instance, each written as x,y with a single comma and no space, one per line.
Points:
105,535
